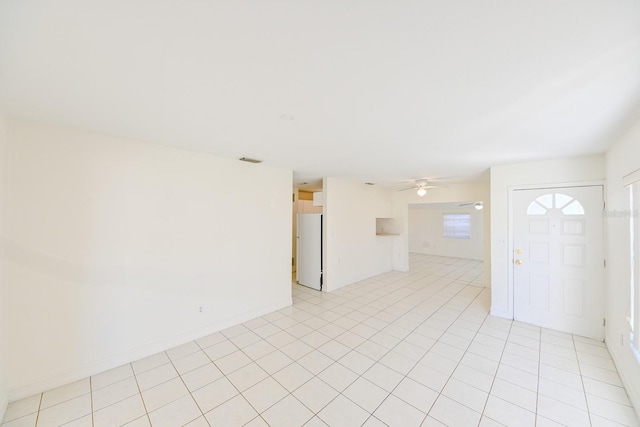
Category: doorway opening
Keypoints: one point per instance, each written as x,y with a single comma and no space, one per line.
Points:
453,229
307,202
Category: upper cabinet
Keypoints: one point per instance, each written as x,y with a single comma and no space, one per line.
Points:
318,198
307,202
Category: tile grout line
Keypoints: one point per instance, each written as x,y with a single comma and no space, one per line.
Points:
465,351
504,347
91,395
390,349
397,313
185,385
458,364
91,391
144,404
234,386
39,407
584,390
410,331
289,393
538,379
225,376
418,362
240,393
570,372
259,414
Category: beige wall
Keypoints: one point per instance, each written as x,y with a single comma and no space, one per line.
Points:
114,246
352,251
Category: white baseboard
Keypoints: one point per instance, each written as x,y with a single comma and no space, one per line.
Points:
629,386
4,401
114,361
501,313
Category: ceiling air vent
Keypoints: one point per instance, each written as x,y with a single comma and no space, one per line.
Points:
249,160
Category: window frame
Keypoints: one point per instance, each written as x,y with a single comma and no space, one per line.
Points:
634,267
456,225
632,182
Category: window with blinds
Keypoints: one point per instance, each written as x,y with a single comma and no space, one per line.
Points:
456,226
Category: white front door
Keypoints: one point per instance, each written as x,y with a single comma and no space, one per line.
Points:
558,271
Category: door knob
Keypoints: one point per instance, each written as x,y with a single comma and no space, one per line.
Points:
517,262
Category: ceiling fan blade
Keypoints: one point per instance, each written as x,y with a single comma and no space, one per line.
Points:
467,204
408,188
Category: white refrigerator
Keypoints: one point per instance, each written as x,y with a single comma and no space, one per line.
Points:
309,251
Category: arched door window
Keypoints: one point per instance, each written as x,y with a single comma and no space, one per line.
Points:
566,204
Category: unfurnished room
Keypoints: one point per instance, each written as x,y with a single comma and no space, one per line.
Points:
319,213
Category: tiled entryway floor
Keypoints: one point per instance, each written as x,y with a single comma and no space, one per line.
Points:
400,349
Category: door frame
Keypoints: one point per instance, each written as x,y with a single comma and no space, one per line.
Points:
551,186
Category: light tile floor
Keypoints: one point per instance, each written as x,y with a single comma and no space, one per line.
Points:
399,349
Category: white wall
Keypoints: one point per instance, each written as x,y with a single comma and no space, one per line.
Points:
114,245
463,192
4,307
503,179
352,251
426,233
621,159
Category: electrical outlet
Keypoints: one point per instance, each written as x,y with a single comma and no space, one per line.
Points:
201,309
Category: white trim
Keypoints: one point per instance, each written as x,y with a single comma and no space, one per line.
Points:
96,367
634,350
501,313
595,183
631,178
629,385
4,402
634,300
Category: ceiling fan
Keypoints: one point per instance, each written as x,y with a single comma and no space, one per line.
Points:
421,185
477,205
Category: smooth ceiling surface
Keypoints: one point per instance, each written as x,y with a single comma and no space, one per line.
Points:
379,91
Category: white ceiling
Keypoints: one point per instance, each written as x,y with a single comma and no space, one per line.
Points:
379,91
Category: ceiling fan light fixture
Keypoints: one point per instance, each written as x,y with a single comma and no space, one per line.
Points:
478,206
422,191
